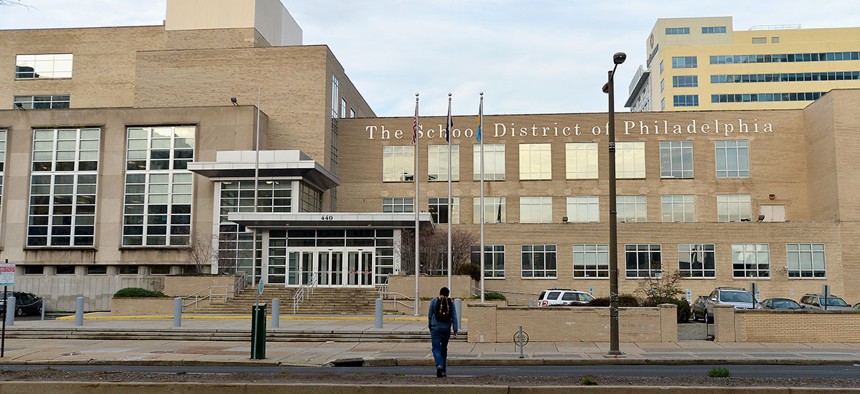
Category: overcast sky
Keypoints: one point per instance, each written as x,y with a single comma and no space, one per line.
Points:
527,56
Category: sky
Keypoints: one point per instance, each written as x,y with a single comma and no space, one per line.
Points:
527,56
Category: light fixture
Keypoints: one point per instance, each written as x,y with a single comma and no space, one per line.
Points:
760,218
19,106
234,101
771,196
564,219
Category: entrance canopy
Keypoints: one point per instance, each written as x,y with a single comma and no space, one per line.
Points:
328,219
272,163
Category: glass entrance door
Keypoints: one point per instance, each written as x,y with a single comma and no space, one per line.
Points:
359,268
300,267
330,268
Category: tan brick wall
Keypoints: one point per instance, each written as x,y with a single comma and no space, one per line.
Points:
428,286
732,325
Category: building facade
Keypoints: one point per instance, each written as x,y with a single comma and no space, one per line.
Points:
696,64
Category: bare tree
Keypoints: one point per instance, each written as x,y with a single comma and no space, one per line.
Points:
202,252
434,250
13,2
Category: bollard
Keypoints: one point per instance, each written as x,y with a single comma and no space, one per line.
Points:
79,311
379,312
522,343
10,310
531,303
44,306
458,309
177,312
258,332
276,313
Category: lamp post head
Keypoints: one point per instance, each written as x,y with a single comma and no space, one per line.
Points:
606,88
619,57
234,101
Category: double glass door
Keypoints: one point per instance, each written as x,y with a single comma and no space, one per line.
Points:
351,267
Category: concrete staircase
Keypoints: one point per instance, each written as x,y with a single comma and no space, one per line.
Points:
323,301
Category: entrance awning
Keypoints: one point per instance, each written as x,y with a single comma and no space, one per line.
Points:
242,164
329,219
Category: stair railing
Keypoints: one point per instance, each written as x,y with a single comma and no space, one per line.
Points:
401,299
225,292
304,292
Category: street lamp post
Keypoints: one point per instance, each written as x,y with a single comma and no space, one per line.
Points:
609,88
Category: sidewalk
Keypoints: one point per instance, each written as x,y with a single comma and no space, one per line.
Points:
157,350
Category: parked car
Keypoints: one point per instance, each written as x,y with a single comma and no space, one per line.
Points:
555,297
816,301
857,306
780,303
698,308
737,297
25,303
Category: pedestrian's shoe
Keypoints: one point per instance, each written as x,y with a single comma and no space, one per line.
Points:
440,373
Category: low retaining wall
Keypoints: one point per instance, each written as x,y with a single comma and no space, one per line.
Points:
756,325
428,286
183,285
492,323
141,306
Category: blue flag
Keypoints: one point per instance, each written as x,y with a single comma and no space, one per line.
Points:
480,119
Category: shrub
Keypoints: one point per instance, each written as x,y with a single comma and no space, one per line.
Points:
684,311
718,372
588,381
624,300
492,295
130,292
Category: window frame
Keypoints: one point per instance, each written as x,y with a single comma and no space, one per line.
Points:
630,160
687,268
684,201
548,254
437,163
591,205
495,206
542,152
639,205
400,159
751,268
596,261
733,207
541,206
794,255
732,152
581,160
635,252
494,258
676,154
494,161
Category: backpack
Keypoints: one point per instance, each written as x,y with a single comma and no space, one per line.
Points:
443,311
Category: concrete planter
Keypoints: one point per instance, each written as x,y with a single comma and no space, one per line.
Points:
141,306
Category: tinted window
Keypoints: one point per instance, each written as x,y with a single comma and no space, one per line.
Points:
553,295
570,297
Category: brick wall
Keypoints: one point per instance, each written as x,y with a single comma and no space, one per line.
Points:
732,325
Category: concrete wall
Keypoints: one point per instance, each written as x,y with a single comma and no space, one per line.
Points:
141,306
732,325
428,286
491,323
181,286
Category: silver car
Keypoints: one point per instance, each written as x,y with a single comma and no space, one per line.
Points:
739,298
816,302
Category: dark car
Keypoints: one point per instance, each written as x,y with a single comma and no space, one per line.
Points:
25,303
780,303
698,308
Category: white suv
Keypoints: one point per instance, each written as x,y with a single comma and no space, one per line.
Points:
555,297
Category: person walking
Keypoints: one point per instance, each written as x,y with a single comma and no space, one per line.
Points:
442,320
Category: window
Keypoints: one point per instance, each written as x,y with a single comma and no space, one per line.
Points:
398,163
65,269
685,81
732,159
494,162
335,95
759,40
750,261
643,261
581,160
676,159
351,113
661,67
97,270
535,209
539,261
685,100
684,62
43,66
158,186
631,209
591,261
159,270
343,107
583,209
662,104
696,260
713,29
494,260
805,260
437,162
772,212
535,161
662,85
63,185
678,208
766,97
128,269
42,102
630,160
439,210
734,207
311,198
780,77
34,270
774,40
398,204
494,210
786,57
677,30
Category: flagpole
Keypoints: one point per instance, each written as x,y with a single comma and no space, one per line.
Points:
448,132
415,206
481,140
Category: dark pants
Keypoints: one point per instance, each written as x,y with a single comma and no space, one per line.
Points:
439,337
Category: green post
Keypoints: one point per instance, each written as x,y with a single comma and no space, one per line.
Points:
258,332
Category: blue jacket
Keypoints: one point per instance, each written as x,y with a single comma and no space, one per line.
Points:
431,316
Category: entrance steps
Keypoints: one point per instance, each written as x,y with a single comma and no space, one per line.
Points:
323,301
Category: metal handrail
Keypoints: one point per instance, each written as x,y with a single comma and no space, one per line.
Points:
395,301
299,297
227,294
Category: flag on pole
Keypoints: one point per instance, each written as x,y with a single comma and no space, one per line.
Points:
415,124
480,120
450,124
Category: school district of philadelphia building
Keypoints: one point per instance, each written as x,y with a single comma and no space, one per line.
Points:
117,160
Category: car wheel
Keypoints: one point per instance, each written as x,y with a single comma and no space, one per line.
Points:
19,311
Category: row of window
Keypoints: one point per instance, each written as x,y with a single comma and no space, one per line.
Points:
99,270
786,57
686,30
676,161
45,66
42,102
692,100
786,77
586,209
590,261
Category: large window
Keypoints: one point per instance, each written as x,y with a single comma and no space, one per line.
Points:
235,244
643,261
583,209
677,30
581,160
751,260
630,160
539,261
437,162
494,162
535,209
684,62
158,186
734,207
591,261
787,77
676,159
765,97
786,57
535,161
631,208
494,260
63,187
335,96
398,163
805,260
439,209
685,81
678,208
494,210
685,100
732,159
398,204
42,102
43,66
713,29
696,260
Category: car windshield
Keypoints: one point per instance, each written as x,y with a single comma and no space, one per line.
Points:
736,296
586,297
785,304
836,301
